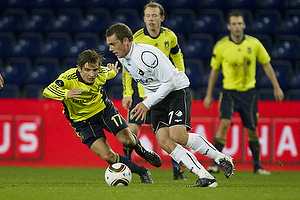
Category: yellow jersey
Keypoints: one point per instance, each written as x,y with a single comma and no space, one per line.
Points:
238,61
90,102
167,42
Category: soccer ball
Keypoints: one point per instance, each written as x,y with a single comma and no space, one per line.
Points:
118,174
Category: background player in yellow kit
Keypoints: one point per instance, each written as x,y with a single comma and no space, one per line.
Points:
237,54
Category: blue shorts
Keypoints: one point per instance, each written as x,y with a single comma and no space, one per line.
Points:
135,101
91,129
173,110
245,103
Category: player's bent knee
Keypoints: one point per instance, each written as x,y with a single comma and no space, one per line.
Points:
167,145
179,138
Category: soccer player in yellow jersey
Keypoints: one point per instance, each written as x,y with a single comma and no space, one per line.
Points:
237,54
90,111
165,40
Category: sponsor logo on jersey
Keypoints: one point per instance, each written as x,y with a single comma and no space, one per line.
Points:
84,100
144,81
60,83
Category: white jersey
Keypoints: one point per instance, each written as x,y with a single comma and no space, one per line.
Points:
151,68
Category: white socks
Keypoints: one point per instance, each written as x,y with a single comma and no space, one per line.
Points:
202,146
186,159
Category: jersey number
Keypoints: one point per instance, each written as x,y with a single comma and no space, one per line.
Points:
170,115
117,118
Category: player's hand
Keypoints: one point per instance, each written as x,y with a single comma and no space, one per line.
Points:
126,102
139,111
278,94
208,100
114,66
74,93
1,82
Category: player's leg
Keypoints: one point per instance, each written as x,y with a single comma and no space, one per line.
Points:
113,122
130,140
175,100
102,148
179,123
220,141
254,145
178,174
91,133
160,115
227,108
134,128
249,116
202,146
184,158
133,124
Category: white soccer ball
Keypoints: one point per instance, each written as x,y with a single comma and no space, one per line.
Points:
118,174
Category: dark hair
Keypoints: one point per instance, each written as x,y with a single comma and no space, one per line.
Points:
90,56
155,5
121,30
235,13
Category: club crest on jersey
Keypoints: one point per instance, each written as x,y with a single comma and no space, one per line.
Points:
167,45
149,59
178,113
249,50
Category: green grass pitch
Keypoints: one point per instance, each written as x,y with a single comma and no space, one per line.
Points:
88,183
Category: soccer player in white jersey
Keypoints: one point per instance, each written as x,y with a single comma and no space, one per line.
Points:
167,95
133,93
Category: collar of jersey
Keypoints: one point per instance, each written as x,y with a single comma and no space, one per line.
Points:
237,43
147,33
128,56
